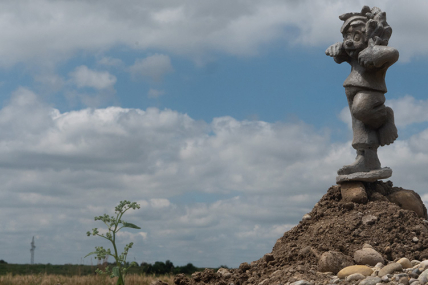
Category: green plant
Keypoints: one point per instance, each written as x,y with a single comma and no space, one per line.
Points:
113,223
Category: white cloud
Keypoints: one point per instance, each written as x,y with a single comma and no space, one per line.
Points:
82,76
408,110
44,30
159,203
153,67
110,61
153,93
219,188
345,116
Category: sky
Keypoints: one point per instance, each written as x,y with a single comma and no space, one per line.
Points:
224,120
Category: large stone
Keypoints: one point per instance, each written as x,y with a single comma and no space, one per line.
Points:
333,261
409,200
353,192
367,256
370,176
365,270
390,268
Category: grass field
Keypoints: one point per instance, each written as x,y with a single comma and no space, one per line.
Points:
47,279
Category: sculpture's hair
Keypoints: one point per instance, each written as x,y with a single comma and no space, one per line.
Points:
376,27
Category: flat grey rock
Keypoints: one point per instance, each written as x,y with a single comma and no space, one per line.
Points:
370,176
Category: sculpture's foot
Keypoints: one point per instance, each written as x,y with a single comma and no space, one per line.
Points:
388,132
370,176
366,161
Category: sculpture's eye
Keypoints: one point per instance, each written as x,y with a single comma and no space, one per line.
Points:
357,37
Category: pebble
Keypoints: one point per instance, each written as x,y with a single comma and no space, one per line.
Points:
390,268
393,273
423,265
405,262
379,265
355,277
371,280
301,282
306,217
365,270
423,278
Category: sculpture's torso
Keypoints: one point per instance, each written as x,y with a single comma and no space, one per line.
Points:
371,79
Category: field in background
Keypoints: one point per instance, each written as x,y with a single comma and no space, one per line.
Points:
45,279
147,269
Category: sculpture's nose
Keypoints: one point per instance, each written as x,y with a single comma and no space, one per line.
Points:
349,43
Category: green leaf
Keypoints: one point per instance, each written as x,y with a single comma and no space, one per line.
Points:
116,271
120,281
94,252
132,226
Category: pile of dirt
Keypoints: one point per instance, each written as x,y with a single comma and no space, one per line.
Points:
332,225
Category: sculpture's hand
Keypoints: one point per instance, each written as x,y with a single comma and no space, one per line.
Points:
335,49
366,56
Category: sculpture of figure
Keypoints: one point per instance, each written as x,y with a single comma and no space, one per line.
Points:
364,47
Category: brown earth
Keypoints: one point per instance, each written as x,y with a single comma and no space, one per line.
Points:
334,225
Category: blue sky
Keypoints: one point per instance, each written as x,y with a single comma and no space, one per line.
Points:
225,120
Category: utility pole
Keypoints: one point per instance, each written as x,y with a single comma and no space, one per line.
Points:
32,251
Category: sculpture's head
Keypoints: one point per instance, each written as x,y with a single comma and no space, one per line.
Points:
354,37
359,28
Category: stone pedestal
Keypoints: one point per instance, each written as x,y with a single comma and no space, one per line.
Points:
370,176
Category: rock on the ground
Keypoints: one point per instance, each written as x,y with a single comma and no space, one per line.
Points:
423,278
333,261
409,200
224,272
390,268
370,280
405,262
364,270
367,256
355,277
353,192
301,282
369,219
268,257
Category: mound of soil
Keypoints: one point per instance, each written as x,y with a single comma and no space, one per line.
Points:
332,225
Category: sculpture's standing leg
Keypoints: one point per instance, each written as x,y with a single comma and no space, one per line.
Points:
372,122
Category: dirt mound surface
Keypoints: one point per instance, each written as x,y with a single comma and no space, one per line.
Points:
332,225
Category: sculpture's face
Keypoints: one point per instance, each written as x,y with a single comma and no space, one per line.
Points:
354,40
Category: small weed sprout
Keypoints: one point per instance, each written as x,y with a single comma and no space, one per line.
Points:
113,223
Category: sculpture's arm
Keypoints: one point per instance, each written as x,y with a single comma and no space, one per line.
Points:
377,56
337,52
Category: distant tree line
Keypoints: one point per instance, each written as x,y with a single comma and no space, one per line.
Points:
167,267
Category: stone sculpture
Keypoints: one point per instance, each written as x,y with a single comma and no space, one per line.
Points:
364,47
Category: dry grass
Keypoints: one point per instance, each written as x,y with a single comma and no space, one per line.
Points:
45,279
